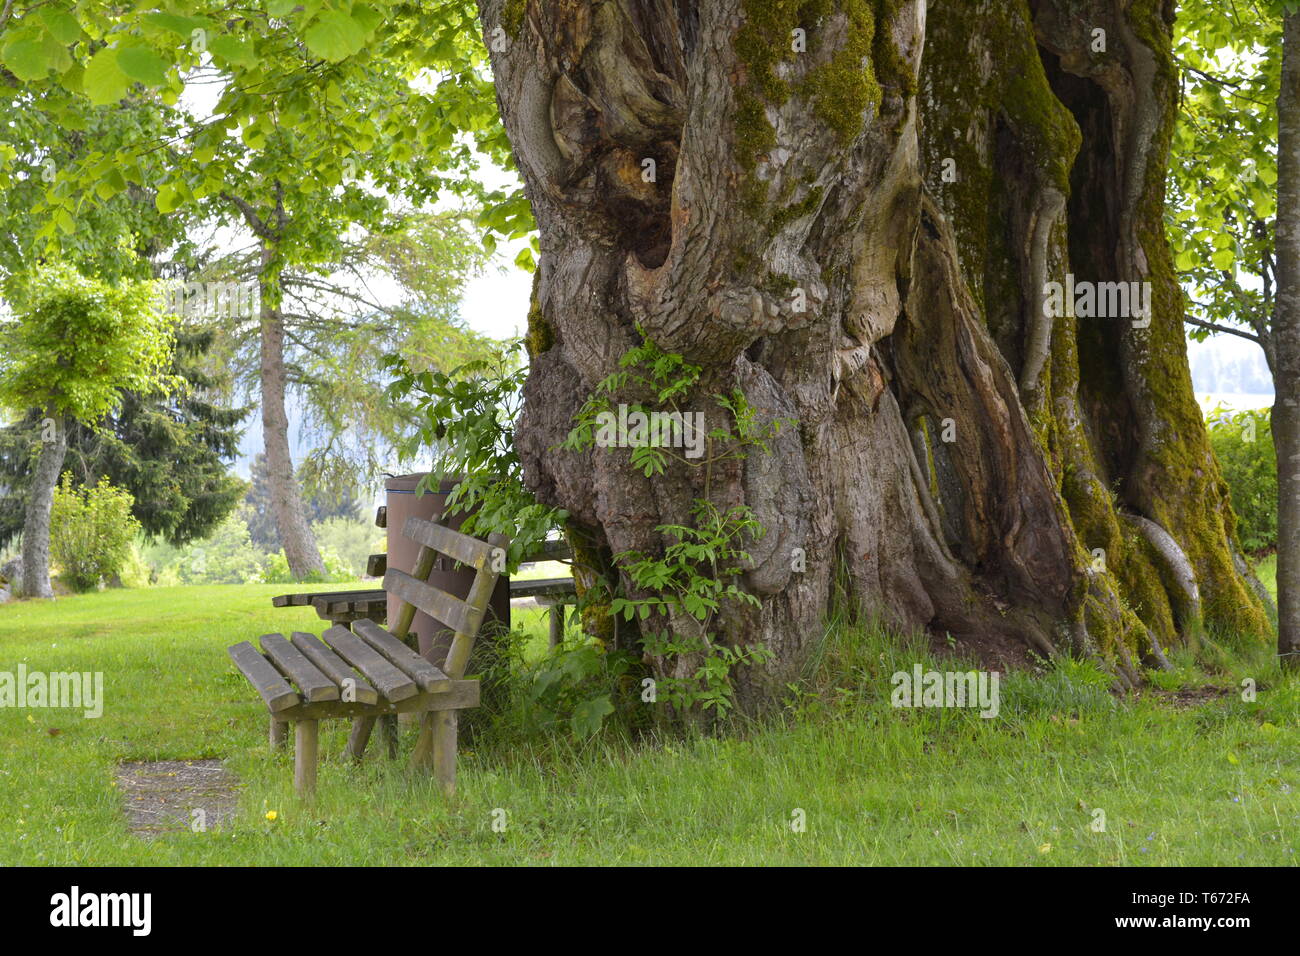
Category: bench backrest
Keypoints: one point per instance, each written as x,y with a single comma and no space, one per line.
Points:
464,617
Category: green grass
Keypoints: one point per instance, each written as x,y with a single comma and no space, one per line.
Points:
1213,783
1266,571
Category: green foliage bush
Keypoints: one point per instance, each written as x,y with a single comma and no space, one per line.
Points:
352,540
91,532
226,557
1243,443
276,570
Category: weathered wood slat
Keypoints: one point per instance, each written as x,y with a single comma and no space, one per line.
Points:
557,550
314,685
334,667
429,678
365,602
480,594
544,587
451,611
387,679
376,565
460,694
266,680
381,516
462,547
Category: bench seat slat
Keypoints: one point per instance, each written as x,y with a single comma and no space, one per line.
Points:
312,684
462,547
334,667
450,610
266,680
389,681
430,679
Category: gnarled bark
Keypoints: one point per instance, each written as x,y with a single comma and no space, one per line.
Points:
961,458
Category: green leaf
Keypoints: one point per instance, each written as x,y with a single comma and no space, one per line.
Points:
174,23
143,65
335,36
62,25
232,50
26,59
367,17
104,81
168,198
590,714
1223,259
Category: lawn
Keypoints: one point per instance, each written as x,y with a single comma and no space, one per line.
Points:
1197,777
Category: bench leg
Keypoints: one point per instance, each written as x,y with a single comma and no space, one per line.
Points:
279,733
557,625
388,726
443,727
304,760
360,736
422,755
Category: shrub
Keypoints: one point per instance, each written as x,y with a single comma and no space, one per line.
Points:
353,540
226,557
1243,443
135,572
275,570
91,532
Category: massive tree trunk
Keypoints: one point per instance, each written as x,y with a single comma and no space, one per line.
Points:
855,224
36,527
296,536
1286,337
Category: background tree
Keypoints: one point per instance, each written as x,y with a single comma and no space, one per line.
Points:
1234,233
75,347
170,451
323,503
850,212
337,330
1221,214
1286,335
319,94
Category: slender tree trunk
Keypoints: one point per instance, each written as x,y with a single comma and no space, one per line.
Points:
36,528
296,536
854,212
1286,335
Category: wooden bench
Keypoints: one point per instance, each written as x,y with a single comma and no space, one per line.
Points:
369,673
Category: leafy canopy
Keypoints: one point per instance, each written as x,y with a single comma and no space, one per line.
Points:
78,343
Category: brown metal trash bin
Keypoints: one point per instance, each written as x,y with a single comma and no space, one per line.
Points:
434,636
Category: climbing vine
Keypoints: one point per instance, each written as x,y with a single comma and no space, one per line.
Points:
677,595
